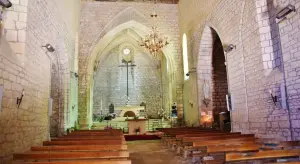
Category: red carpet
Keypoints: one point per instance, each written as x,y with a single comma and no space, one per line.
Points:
141,137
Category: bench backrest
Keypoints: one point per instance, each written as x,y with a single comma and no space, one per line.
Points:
83,162
268,154
80,148
71,155
236,141
192,139
85,142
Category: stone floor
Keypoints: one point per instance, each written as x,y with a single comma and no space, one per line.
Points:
152,152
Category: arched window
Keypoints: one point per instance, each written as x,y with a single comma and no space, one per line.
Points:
185,57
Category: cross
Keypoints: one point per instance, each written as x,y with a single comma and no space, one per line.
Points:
127,66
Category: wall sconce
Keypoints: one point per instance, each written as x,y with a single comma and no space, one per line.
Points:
5,3
274,98
49,48
285,11
75,74
193,70
191,103
229,48
19,99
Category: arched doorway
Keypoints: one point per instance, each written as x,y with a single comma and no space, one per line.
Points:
212,79
219,81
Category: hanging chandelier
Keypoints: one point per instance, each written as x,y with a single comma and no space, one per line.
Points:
154,42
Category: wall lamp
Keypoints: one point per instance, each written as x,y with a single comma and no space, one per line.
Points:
49,48
229,48
75,74
285,11
274,97
19,99
5,3
193,70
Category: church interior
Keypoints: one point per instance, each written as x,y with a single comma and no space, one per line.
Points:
149,81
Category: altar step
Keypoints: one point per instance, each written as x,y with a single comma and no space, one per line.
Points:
151,124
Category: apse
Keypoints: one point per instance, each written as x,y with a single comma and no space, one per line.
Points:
127,75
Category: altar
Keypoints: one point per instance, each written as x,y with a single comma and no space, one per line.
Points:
137,124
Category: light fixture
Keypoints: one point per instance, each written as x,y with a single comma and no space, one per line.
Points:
193,70
19,99
154,42
285,11
49,48
273,96
5,3
229,48
75,74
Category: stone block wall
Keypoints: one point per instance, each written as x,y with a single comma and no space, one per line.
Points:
289,33
144,83
254,67
29,25
101,18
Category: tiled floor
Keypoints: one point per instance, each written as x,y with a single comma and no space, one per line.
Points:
152,152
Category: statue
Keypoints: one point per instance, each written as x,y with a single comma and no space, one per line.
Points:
111,108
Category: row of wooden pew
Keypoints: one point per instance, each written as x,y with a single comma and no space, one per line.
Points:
79,147
215,147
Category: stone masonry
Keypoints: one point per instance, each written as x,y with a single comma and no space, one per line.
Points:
100,18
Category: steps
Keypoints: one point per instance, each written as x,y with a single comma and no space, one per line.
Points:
120,123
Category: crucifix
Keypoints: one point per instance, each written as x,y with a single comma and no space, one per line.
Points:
127,66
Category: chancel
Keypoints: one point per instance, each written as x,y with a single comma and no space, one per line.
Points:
149,81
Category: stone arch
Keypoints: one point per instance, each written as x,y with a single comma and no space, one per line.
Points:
210,44
95,52
129,14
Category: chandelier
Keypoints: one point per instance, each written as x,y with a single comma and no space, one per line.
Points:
154,42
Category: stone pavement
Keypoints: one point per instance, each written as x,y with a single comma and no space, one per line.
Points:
152,152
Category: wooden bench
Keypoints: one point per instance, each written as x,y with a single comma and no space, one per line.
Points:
85,142
187,140
217,153
71,155
83,162
88,138
80,148
202,146
262,155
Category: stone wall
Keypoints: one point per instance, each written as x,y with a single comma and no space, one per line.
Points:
25,66
254,67
289,38
110,83
100,22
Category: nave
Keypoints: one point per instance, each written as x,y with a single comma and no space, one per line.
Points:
176,146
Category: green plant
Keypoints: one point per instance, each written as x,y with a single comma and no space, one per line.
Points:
136,117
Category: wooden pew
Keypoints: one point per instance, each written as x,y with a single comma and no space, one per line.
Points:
218,152
187,140
88,138
83,162
202,146
172,135
80,148
71,155
263,155
85,142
